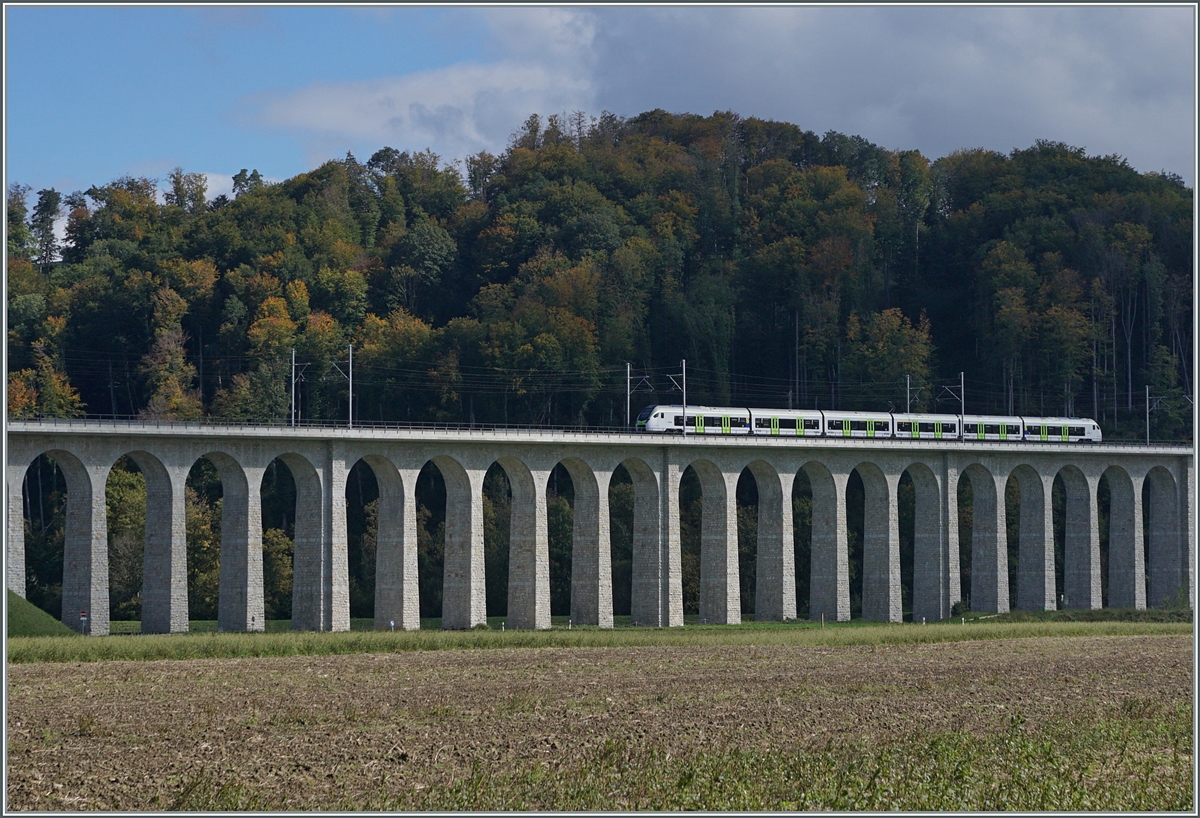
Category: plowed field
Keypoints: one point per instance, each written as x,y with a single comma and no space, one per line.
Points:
394,730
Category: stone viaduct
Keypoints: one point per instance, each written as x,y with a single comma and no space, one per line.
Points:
1152,490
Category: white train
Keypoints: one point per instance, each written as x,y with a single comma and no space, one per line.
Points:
729,420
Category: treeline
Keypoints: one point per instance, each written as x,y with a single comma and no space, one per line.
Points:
785,267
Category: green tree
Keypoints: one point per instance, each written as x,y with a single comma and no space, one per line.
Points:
187,191
277,574
203,534
170,378
20,239
41,227
882,351
125,499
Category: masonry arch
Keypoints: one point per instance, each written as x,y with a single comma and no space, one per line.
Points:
929,578
774,589
67,550
381,544
528,603
152,562
647,602
829,583
1126,557
719,586
881,598
989,546
1166,548
313,594
1035,550
1081,547
591,567
464,593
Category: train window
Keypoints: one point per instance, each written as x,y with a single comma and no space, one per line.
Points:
881,425
1054,431
787,423
835,425
645,414
926,426
991,429
712,421
903,427
812,423
949,428
1076,431
679,420
762,423
858,426
1013,430
738,423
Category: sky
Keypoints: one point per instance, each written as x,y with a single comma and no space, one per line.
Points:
95,93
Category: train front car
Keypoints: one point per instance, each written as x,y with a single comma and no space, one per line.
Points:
926,427
1062,430
858,424
656,418
700,420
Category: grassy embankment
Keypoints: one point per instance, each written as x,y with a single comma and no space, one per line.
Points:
279,640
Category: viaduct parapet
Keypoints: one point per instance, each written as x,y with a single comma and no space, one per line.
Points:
1151,553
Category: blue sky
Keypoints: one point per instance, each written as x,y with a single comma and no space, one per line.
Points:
96,93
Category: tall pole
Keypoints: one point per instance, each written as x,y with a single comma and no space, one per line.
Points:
628,368
293,386
962,394
350,412
1147,414
684,364
907,398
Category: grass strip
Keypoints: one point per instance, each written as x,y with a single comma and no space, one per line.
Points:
1139,759
247,645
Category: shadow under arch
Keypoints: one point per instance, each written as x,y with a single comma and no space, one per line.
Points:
1081,550
1166,550
829,583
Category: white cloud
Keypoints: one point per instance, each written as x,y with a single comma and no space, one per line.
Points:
457,110
1112,79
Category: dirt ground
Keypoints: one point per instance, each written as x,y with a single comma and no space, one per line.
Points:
313,732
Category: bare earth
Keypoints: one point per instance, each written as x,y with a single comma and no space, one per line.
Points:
313,732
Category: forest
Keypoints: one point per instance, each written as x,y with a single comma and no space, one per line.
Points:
787,268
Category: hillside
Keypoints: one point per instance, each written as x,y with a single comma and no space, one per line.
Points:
25,619
785,267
